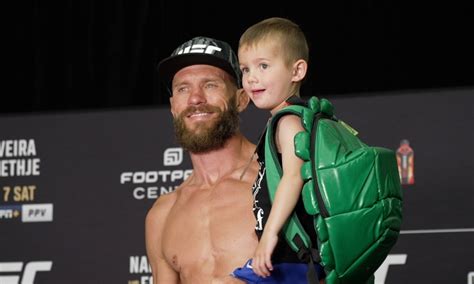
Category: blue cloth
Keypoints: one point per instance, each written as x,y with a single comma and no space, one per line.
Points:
283,273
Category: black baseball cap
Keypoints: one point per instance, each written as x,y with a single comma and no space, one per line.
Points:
200,50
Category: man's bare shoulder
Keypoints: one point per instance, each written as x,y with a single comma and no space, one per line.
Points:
155,221
161,206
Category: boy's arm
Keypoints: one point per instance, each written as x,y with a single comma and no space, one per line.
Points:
289,188
154,226
287,194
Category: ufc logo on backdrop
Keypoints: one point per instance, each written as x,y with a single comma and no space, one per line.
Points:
10,272
173,156
200,48
392,259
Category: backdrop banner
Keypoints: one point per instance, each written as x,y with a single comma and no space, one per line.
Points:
75,186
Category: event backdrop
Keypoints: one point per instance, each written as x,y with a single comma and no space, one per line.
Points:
75,187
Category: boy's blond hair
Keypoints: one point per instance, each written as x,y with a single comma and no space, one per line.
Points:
288,36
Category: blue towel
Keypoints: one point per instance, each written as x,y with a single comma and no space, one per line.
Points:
283,273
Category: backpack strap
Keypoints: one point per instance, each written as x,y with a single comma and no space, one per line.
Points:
292,228
294,233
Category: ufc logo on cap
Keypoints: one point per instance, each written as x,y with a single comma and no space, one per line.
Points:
200,48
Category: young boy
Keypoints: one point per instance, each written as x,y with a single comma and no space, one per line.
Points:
273,56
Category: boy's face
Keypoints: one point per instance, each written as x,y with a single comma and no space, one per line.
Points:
266,77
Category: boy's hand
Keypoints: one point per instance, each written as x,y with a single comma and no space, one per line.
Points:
262,260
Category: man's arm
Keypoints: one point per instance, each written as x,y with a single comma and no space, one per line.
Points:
154,225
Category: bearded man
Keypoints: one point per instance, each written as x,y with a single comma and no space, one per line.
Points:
204,229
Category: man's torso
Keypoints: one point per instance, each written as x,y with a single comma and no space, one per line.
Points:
210,230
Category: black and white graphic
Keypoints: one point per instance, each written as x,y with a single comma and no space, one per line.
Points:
258,211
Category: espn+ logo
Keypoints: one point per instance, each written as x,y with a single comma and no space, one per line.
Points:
12,272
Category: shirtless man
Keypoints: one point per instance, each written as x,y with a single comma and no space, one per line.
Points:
204,229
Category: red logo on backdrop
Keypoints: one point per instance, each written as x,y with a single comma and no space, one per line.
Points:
406,163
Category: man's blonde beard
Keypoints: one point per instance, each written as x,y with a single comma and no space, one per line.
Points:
207,136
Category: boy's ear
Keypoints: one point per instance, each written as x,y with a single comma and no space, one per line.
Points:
299,70
242,100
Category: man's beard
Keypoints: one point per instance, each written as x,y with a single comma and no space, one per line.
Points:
208,135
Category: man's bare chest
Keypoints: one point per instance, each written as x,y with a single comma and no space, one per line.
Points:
209,215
